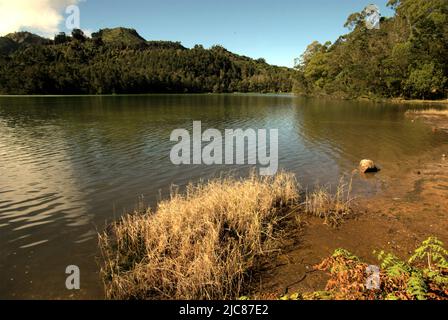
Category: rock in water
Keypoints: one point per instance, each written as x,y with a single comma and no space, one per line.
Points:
366,166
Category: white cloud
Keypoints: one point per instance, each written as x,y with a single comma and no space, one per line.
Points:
42,16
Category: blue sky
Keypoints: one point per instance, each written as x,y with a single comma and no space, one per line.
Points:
278,31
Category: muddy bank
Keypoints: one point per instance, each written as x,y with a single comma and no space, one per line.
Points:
437,119
412,208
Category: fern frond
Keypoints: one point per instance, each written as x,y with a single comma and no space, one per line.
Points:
338,253
416,286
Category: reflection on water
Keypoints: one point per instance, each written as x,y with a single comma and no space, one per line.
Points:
69,164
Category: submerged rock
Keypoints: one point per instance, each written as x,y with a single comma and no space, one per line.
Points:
366,166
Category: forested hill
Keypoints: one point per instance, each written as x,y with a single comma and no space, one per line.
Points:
406,57
119,60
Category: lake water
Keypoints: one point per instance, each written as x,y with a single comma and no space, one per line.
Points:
70,164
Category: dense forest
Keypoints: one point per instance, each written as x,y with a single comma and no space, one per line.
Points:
406,57
120,61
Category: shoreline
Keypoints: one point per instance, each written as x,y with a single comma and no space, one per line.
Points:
416,101
443,102
144,94
397,220
411,209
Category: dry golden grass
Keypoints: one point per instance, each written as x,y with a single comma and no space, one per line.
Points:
332,207
432,112
199,245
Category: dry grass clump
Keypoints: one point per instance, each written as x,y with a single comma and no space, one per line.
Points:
332,207
201,244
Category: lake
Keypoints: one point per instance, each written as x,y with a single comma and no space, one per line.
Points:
69,165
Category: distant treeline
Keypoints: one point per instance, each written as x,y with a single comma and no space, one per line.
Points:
407,57
120,61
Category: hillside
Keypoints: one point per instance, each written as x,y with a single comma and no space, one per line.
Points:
27,38
406,57
7,46
13,41
120,35
119,60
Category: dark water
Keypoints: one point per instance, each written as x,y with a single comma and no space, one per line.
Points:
69,164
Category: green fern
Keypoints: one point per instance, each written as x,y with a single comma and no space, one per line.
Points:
432,250
345,254
409,279
416,286
437,277
391,296
393,266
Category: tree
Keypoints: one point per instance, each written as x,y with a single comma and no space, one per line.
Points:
104,65
61,38
354,20
79,35
406,57
426,82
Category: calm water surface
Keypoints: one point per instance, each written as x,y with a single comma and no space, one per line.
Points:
69,164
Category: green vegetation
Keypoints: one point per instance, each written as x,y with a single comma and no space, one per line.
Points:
121,61
424,276
407,57
14,41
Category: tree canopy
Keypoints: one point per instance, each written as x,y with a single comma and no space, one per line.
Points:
120,61
407,57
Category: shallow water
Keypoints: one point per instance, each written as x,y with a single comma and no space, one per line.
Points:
69,164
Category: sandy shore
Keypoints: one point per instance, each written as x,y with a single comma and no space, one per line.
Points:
421,102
